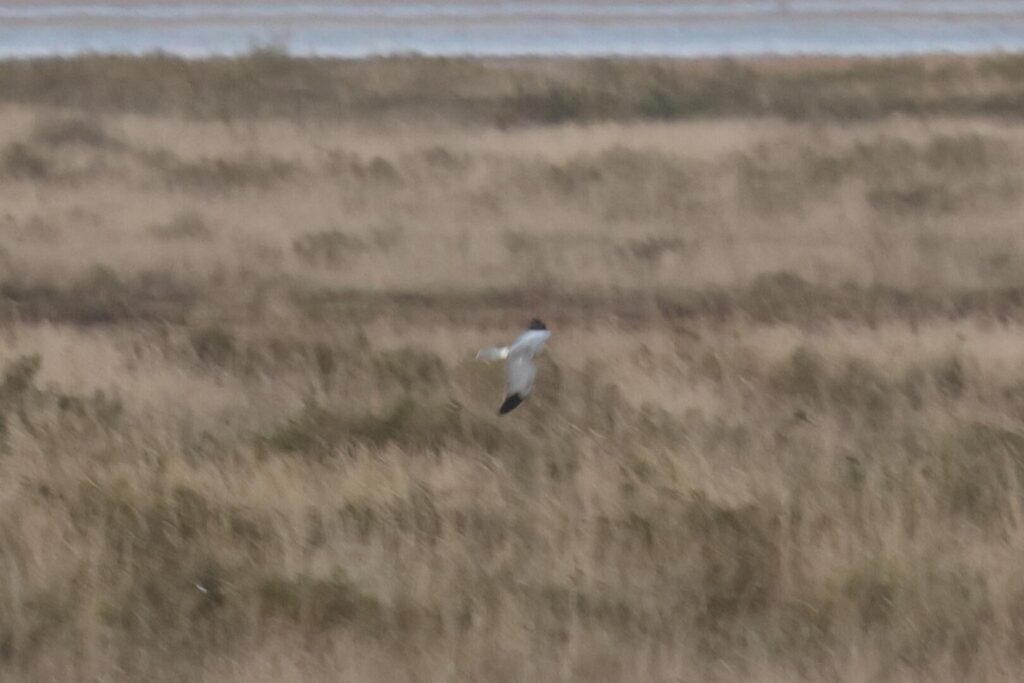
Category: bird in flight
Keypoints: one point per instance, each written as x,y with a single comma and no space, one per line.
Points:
519,368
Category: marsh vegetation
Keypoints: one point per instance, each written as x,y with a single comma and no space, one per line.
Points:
778,436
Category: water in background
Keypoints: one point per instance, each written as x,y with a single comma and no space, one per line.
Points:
492,27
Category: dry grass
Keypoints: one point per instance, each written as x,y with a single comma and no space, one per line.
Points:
510,92
778,435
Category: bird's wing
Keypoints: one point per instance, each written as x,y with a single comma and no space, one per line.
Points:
530,342
519,374
493,353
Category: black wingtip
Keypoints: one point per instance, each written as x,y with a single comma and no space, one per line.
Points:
537,324
511,402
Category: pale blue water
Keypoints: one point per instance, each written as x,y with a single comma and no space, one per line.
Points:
682,28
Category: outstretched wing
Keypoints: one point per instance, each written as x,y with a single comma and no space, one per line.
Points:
493,353
519,374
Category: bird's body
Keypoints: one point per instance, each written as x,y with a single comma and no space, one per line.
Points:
520,370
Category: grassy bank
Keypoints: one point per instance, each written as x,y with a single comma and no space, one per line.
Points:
521,91
777,436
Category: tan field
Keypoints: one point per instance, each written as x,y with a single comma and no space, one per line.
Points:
778,434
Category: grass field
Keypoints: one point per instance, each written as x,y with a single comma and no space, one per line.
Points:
778,434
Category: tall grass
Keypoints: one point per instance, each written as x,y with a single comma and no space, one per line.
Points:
777,435
268,83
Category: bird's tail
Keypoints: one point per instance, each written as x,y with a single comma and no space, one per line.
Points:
493,353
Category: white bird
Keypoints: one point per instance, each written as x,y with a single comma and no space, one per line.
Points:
519,368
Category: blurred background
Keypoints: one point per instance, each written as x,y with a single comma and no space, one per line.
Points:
248,252
494,27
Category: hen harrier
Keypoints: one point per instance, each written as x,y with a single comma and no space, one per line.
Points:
519,367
